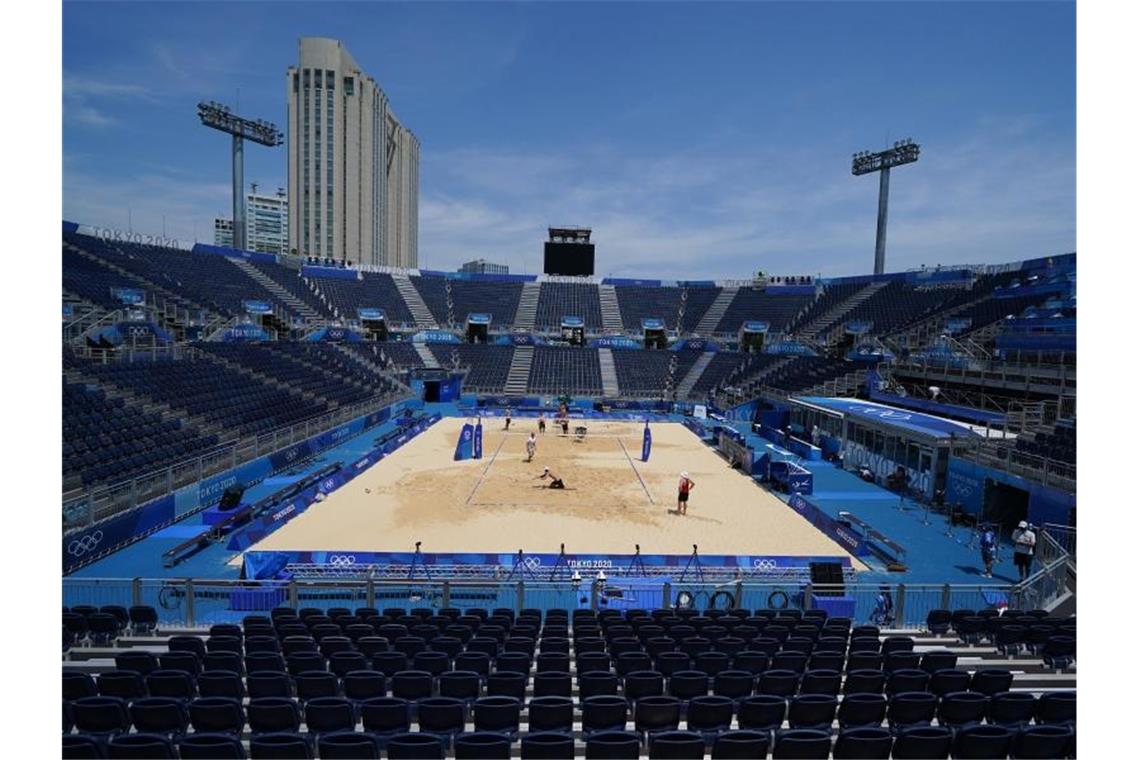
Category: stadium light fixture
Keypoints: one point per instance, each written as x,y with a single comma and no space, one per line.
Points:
903,152
219,117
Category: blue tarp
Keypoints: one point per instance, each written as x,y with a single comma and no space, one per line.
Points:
902,419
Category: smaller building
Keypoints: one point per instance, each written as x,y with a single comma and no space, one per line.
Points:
482,266
223,232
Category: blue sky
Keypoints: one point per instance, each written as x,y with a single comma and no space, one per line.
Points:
705,139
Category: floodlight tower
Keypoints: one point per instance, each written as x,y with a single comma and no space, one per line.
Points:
903,152
219,117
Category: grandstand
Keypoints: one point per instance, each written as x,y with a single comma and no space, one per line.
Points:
188,632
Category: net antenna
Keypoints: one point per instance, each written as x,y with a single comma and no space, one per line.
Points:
418,561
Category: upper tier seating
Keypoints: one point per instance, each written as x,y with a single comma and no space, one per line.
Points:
108,440
639,302
832,296
697,301
487,365
375,291
389,355
92,281
898,304
291,280
499,299
560,369
805,372
568,299
1059,445
749,304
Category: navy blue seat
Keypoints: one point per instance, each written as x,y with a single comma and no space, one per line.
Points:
1057,707
342,663
390,662
613,745
185,661
669,662
497,713
482,746
859,710
962,708
441,716
475,662
359,685
140,662
550,713
734,684
316,683
552,684
217,715
820,682
78,685
1012,709
269,683
709,714
923,742
653,714
812,711
991,681
1044,741
948,680
908,679
415,747
547,746
592,683
802,743
980,741
160,715
273,715
863,742
686,684
761,712
231,661
507,684
604,712
461,684
282,746
741,745
676,745
211,747
643,683
411,684
305,662
100,716
329,714
384,717
781,683
753,661
140,747
82,746
913,708
264,662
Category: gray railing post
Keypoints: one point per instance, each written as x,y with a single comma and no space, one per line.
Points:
370,591
520,597
594,595
946,596
446,594
808,601
293,594
900,605
189,602
666,595
136,591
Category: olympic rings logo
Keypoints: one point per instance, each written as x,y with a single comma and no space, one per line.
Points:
766,565
88,543
341,560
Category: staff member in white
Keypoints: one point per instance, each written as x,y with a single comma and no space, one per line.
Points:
1024,544
531,444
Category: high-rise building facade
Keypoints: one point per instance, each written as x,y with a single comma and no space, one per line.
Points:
266,224
482,266
353,167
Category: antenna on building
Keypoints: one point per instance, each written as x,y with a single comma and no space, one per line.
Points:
253,188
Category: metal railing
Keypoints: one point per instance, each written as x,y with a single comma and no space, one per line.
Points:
1050,583
83,507
198,602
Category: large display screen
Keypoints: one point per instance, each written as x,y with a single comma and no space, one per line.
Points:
576,259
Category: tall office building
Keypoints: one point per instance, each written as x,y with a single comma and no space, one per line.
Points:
266,224
353,168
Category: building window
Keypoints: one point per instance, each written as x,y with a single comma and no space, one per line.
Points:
348,86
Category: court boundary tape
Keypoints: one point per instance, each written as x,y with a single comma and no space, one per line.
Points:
636,472
483,475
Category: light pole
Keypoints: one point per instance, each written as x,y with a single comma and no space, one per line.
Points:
217,116
903,152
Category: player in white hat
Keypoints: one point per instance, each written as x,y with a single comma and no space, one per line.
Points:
685,485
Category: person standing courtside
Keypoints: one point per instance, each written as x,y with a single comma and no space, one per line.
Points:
1024,545
531,445
683,487
542,423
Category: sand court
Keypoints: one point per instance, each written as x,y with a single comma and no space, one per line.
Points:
612,500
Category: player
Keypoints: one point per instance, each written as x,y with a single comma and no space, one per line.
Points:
565,426
531,445
541,423
508,425
555,481
683,487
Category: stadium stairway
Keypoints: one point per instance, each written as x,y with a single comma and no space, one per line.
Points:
823,324
685,387
611,314
847,385
428,357
519,373
416,305
528,306
714,314
610,388
921,333
281,294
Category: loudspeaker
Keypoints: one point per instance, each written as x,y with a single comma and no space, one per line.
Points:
231,498
827,579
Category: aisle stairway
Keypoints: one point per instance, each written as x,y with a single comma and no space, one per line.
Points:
685,387
416,305
610,387
281,294
716,311
428,357
528,306
821,325
519,373
611,310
